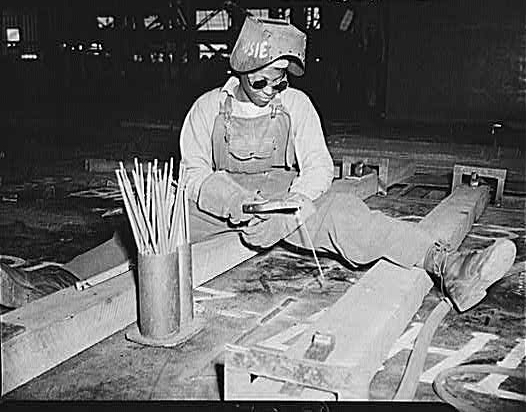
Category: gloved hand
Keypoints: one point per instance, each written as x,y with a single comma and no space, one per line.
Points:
272,227
222,196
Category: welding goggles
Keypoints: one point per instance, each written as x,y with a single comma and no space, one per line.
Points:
278,86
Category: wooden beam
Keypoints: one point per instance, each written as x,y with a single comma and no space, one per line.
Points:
105,256
390,170
426,155
372,314
50,330
362,187
149,125
105,165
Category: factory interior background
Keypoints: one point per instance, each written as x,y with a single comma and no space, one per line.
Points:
406,62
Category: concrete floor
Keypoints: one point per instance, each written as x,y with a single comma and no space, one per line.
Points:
40,223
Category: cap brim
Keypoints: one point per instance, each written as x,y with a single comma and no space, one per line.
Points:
279,64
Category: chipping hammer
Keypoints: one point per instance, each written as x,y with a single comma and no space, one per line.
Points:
285,206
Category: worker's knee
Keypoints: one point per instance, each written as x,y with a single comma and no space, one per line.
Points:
339,202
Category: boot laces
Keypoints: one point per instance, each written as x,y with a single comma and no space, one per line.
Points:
440,256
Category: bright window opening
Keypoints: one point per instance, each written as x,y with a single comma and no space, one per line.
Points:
153,23
262,13
13,35
94,46
312,18
284,14
29,56
157,57
347,20
105,22
212,21
206,50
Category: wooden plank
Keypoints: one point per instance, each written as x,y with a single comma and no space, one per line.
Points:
451,219
390,170
216,255
399,171
60,325
105,165
67,322
149,125
429,158
103,257
63,324
365,331
362,187
415,147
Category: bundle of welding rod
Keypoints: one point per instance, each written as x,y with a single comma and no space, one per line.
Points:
158,207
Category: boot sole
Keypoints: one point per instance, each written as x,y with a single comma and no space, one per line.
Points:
498,260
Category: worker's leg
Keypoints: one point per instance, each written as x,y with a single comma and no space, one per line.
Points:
344,224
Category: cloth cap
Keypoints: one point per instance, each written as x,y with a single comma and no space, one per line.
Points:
262,41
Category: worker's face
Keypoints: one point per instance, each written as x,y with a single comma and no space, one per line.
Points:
261,86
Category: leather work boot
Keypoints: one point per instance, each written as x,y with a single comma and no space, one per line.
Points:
466,275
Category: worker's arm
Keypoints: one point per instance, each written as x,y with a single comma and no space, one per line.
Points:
214,192
196,141
314,160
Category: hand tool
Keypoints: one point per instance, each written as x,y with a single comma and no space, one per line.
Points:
270,206
283,206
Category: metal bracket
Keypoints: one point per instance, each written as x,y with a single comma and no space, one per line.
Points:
390,170
352,167
475,172
321,346
310,371
355,169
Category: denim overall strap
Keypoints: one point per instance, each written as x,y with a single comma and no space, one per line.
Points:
252,145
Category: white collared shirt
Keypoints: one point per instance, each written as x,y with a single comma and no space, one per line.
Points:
316,169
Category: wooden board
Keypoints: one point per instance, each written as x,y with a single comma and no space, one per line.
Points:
365,331
105,165
60,325
429,155
99,259
390,170
362,187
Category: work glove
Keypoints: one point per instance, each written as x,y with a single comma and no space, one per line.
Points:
270,228
222,196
